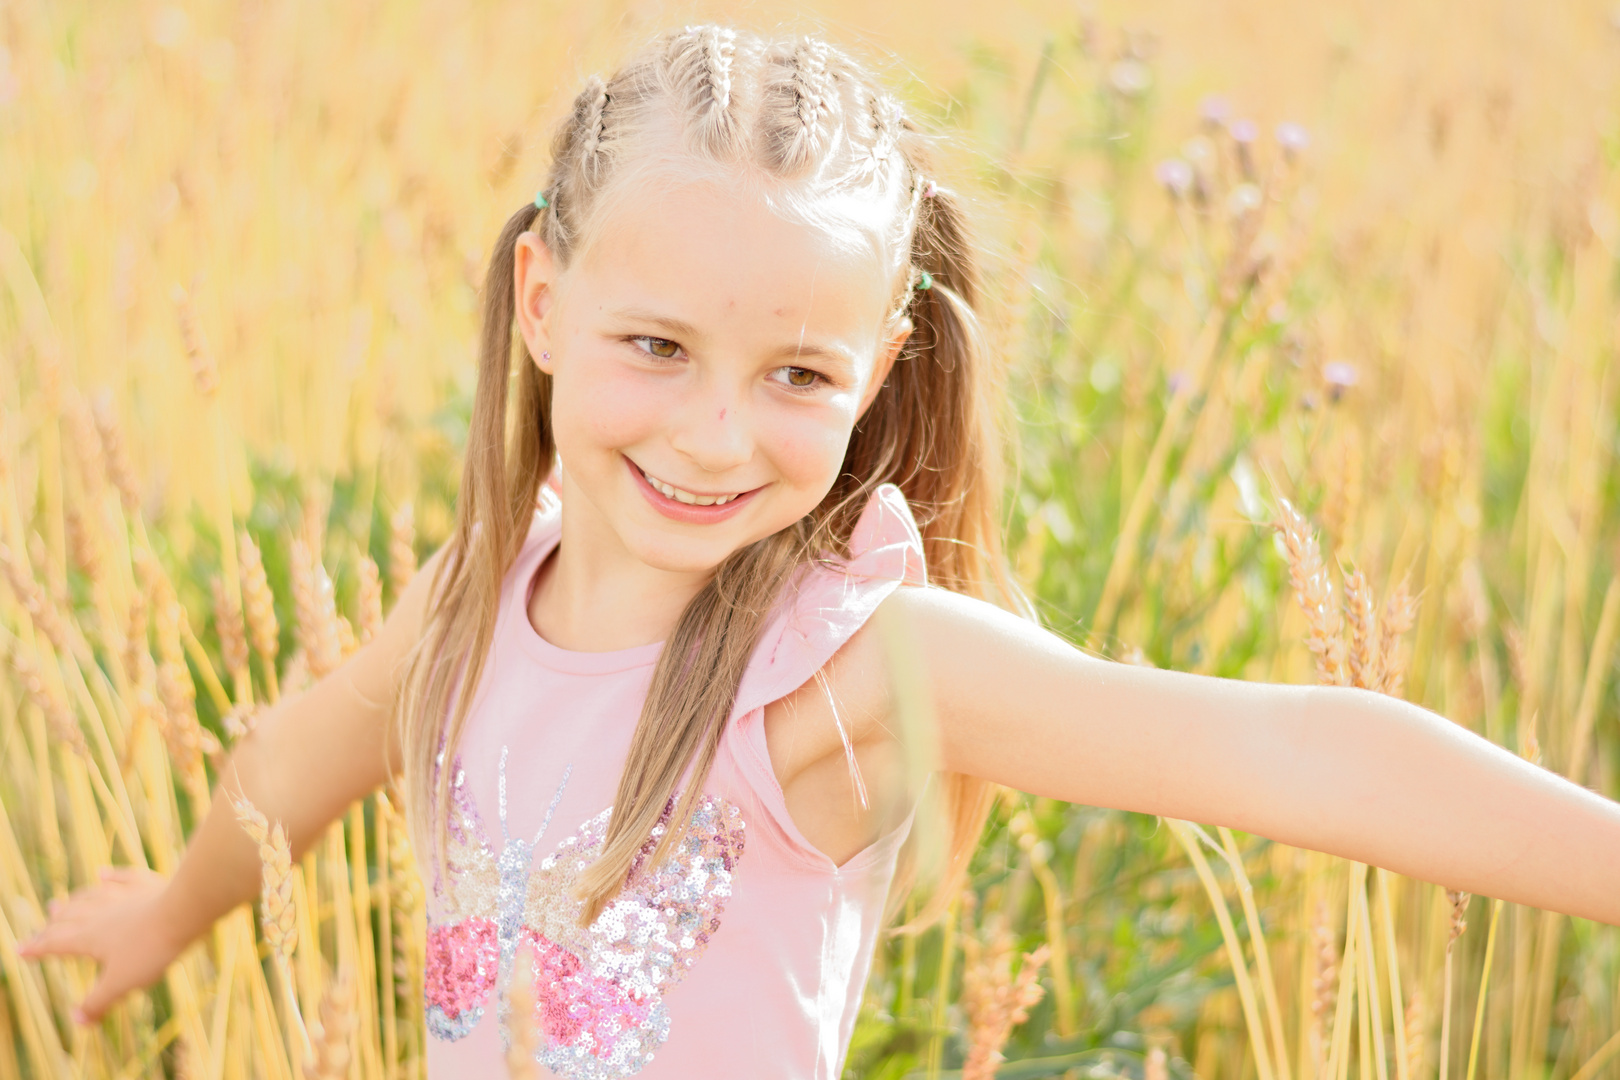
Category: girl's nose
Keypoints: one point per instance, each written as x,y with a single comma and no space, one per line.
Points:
711,430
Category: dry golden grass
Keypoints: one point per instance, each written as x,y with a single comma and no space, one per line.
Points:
240,245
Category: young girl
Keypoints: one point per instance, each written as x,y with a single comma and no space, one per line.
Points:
642,703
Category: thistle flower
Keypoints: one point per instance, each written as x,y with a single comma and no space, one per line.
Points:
1339,377
1293,139
1214,110
1130,78
1175,175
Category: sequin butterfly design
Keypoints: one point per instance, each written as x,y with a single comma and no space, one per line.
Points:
599,989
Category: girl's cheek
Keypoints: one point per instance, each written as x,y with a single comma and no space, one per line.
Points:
808,445
605,404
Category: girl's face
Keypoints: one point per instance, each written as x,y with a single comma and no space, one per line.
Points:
709,362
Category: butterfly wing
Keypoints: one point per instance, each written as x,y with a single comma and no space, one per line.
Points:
463,948
599,990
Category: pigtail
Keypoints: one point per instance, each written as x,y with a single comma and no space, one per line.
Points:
500,482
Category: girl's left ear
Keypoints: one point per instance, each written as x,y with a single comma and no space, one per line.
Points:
534,275
885,363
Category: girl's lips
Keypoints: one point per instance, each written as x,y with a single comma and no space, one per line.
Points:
686,512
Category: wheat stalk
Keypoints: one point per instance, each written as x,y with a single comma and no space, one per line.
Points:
330,1036
233,644
319,635
1459,907
114,457
1400,612
370,600
259,608
523,1038
994,998
278,912
1362,649
1314,590
402,548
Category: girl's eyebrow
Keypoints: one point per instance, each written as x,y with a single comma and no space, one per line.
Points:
678,328
667,323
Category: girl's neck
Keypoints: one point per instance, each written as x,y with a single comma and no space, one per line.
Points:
593,595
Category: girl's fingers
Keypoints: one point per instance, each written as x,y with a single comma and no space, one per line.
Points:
57,939
96,1003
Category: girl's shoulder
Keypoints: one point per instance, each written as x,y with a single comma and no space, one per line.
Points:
832,598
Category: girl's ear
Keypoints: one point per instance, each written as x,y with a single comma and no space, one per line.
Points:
534,277
885,362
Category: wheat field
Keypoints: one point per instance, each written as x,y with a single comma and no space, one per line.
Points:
1310,323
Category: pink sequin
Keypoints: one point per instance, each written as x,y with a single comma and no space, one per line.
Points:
571,1002
461,963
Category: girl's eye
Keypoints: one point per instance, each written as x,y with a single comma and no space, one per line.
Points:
663,348
800,378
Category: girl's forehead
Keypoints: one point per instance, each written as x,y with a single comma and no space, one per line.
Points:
717,253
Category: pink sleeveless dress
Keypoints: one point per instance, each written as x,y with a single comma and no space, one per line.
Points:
745,954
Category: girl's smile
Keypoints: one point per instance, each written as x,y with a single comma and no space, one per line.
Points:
695,508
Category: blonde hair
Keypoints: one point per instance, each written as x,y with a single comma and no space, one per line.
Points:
805,122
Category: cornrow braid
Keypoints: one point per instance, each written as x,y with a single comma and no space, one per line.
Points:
593,123
701,61
798,98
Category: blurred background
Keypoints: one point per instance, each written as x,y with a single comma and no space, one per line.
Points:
1358,257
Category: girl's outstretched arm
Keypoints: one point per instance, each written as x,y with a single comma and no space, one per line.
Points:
306,761
1346,771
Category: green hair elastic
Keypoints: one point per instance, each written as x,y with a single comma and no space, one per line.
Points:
926,281
540,200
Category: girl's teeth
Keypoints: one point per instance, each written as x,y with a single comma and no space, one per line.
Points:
670,491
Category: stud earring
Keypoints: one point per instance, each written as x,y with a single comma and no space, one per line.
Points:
545,356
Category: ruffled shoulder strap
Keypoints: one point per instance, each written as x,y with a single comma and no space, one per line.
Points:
830,600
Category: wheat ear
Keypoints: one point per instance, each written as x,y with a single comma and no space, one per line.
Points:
277,913
402,549
319,634
233,646
371,609
330,1035
994,999
1314,590
1362,650
523,1037
1400,612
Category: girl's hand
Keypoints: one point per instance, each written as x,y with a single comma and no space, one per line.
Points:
122,925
